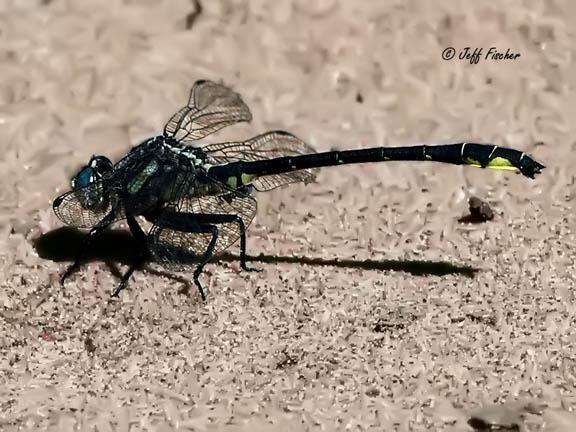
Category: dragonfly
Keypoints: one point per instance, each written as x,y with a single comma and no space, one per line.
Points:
199,199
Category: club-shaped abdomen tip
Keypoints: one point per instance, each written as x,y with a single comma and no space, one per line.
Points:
538,167
530,168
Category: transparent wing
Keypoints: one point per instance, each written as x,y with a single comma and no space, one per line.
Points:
175,248
210,108
71,207
269,145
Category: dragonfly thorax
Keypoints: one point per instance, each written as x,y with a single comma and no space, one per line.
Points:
196,156
151,175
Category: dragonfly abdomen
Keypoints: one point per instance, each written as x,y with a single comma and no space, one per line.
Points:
478,155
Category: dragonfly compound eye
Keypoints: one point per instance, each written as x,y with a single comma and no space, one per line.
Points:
84,177
87,184
101,165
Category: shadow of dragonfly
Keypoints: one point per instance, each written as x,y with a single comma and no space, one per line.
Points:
118,246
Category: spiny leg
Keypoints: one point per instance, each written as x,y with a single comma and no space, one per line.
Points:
203,223
207,256
143,253
189,223
242,227
97,229
228,218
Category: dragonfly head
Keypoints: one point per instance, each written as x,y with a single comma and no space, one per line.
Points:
91,196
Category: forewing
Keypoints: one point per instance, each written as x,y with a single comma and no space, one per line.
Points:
69,209
269,145
177,247
211,107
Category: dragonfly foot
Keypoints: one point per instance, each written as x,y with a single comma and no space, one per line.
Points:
119,288
67,273
200,289
251,269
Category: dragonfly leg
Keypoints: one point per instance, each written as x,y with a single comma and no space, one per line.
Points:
216,219
142,257
97,229
207,256
203,223
194,224
242,227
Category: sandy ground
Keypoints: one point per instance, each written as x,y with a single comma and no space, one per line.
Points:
377,310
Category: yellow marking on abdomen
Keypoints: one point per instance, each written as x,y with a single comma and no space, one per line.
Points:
501,163
246,178
473,162
232,182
